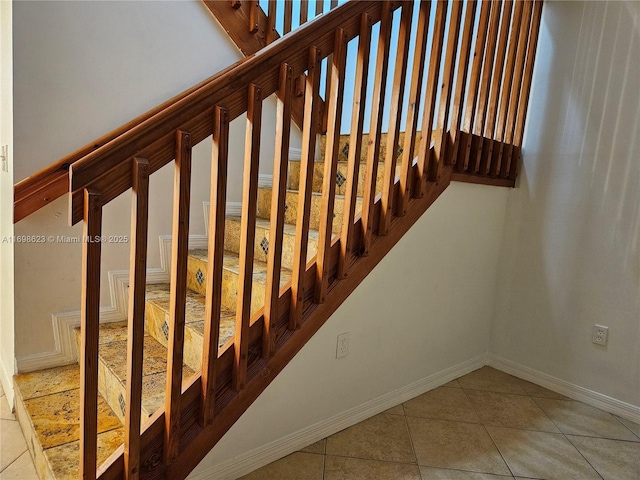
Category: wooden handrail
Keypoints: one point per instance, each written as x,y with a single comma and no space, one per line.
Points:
198,411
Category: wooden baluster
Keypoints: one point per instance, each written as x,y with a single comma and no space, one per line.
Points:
288,16
461,79
247,235
441,137
334,4
375,128
492,164
430,98
278,198
395,114
319,7
487,80
526,86
135,331
311,117
90,331
179,253
253,16
518,72
411,128
215,259
474,82
304,11
355,144
334,103
272,15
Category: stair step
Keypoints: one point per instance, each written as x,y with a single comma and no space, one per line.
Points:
343,148
261,247
48,409
341,177
157,320
197,282
264,208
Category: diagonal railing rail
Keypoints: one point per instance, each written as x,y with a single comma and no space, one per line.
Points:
462,119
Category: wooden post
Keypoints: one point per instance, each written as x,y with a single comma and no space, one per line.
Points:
135,332
179,252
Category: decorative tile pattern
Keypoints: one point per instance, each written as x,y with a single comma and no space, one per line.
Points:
122,403
200,277
264,245
345,149
340,179
165,330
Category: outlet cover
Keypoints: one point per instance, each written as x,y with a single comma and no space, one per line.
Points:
600,334
342,348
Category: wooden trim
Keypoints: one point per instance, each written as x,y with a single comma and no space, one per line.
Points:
90,331
278,198
311,116
240,25
215,257
468,177
247,235
474,82
177,302
424,154
375,129
135,330
336,73
413,108
395,115
461,79
355,142
193,112
438,155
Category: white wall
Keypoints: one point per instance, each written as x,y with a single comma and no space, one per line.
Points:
6,202
435,313
82,69
571,254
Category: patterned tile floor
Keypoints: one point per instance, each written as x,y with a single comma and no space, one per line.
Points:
486,425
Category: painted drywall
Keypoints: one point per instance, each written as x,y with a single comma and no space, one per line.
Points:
571,256
6,202
426,307
82,69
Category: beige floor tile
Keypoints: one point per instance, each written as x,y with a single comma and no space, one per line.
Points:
577,418
12,442
46,382
541,455
397,410
21,469
5,410
297,466
318,447
442,403
456,445
430,473
345,468
492,380
613,459
383,437
505,410
634,427
537,391
452,384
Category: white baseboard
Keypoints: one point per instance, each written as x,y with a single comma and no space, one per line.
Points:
590,397
65,323
245,463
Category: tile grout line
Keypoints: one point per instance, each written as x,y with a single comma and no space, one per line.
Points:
585,458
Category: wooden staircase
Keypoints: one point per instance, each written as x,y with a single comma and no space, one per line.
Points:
202,348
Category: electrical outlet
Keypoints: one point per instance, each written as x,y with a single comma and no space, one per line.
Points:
4,157
342,349
600,334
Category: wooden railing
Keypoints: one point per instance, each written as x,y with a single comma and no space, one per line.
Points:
472,118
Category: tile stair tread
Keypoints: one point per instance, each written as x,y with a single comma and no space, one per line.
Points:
289,229
53,437
231,262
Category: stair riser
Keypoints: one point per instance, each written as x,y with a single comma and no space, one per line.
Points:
293,182
344,146
264,208
232,243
